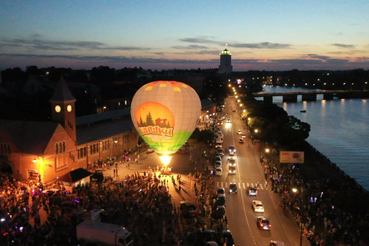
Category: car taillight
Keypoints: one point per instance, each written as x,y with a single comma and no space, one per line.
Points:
270,225
261,224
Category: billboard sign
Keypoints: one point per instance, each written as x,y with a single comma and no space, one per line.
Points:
291,157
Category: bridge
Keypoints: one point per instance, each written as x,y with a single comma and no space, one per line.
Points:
291,96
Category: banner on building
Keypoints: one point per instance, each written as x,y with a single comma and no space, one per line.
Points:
291,157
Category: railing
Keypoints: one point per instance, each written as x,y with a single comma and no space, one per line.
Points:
301,92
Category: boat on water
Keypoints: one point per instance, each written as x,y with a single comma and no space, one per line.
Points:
302,111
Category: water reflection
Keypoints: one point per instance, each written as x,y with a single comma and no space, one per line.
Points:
339,129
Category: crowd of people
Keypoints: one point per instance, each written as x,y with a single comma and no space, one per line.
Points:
140,202
326,207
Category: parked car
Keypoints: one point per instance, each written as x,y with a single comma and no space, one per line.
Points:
219,212
220,200
182,151
228,238
218,164
220,191
188,209
150,150
206,236
219,171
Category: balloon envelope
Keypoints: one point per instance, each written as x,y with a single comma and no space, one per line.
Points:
165,113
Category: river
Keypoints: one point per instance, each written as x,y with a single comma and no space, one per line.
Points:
339,130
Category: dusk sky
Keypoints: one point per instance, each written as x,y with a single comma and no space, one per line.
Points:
261,35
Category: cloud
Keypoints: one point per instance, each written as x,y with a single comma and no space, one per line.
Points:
344,45
39,44
111,58
189,47
263,45
202,40
315,56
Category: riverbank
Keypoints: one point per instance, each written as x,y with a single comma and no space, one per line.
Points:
334,206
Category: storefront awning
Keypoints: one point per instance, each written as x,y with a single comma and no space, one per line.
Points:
75,175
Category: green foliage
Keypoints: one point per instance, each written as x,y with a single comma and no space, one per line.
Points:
274,124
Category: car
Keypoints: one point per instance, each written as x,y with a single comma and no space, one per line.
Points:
220,200
228,120
263,223
218,158
231,157
220,150
232,170
257,206
150,150
218,171
5,217
219,212
276,243
228,238
220,191
234,110
232,188
188,209
243,136
239,132
211,243
218,145
220,154
218,164
220,134
182,151
51,191
241,140
231,149
232,162
206,236
252,191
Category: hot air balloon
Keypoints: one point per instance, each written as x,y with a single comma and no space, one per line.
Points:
165,113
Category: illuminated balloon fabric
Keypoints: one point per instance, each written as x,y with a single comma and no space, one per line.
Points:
165,114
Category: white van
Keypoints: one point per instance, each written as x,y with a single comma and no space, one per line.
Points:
219,140
219,171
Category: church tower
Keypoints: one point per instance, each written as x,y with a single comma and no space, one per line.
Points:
225,62
63,108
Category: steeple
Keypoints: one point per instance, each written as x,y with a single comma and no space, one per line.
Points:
62,92
63,110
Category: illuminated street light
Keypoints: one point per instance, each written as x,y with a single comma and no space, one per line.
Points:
295,190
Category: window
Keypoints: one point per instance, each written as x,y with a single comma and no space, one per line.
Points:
94,148
105,145
60,147
125,138
4,148
60,162
82,152
115,141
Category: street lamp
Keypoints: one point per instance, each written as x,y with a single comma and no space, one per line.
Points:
295,190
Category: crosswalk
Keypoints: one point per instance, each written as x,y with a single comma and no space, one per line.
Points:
240,185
